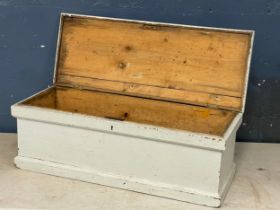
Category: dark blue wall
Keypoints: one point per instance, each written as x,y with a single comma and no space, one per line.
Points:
28,32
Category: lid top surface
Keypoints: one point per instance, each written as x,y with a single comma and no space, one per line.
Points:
185,64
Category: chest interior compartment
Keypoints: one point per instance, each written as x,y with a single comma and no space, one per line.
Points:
173,76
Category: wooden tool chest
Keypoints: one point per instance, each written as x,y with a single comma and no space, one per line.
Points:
144,106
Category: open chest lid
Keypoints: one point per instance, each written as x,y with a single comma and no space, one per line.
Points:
187,64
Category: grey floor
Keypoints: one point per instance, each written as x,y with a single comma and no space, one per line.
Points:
256,185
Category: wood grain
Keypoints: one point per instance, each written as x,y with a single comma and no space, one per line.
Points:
195,66
135,109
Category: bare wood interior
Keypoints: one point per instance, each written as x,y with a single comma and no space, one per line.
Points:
135,109
182,64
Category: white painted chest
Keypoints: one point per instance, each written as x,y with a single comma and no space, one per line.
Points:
144,106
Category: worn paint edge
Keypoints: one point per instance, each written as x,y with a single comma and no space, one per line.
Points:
248,71
234,125
138,130
58,44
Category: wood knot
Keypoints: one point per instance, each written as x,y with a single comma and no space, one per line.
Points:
122,65
128,48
